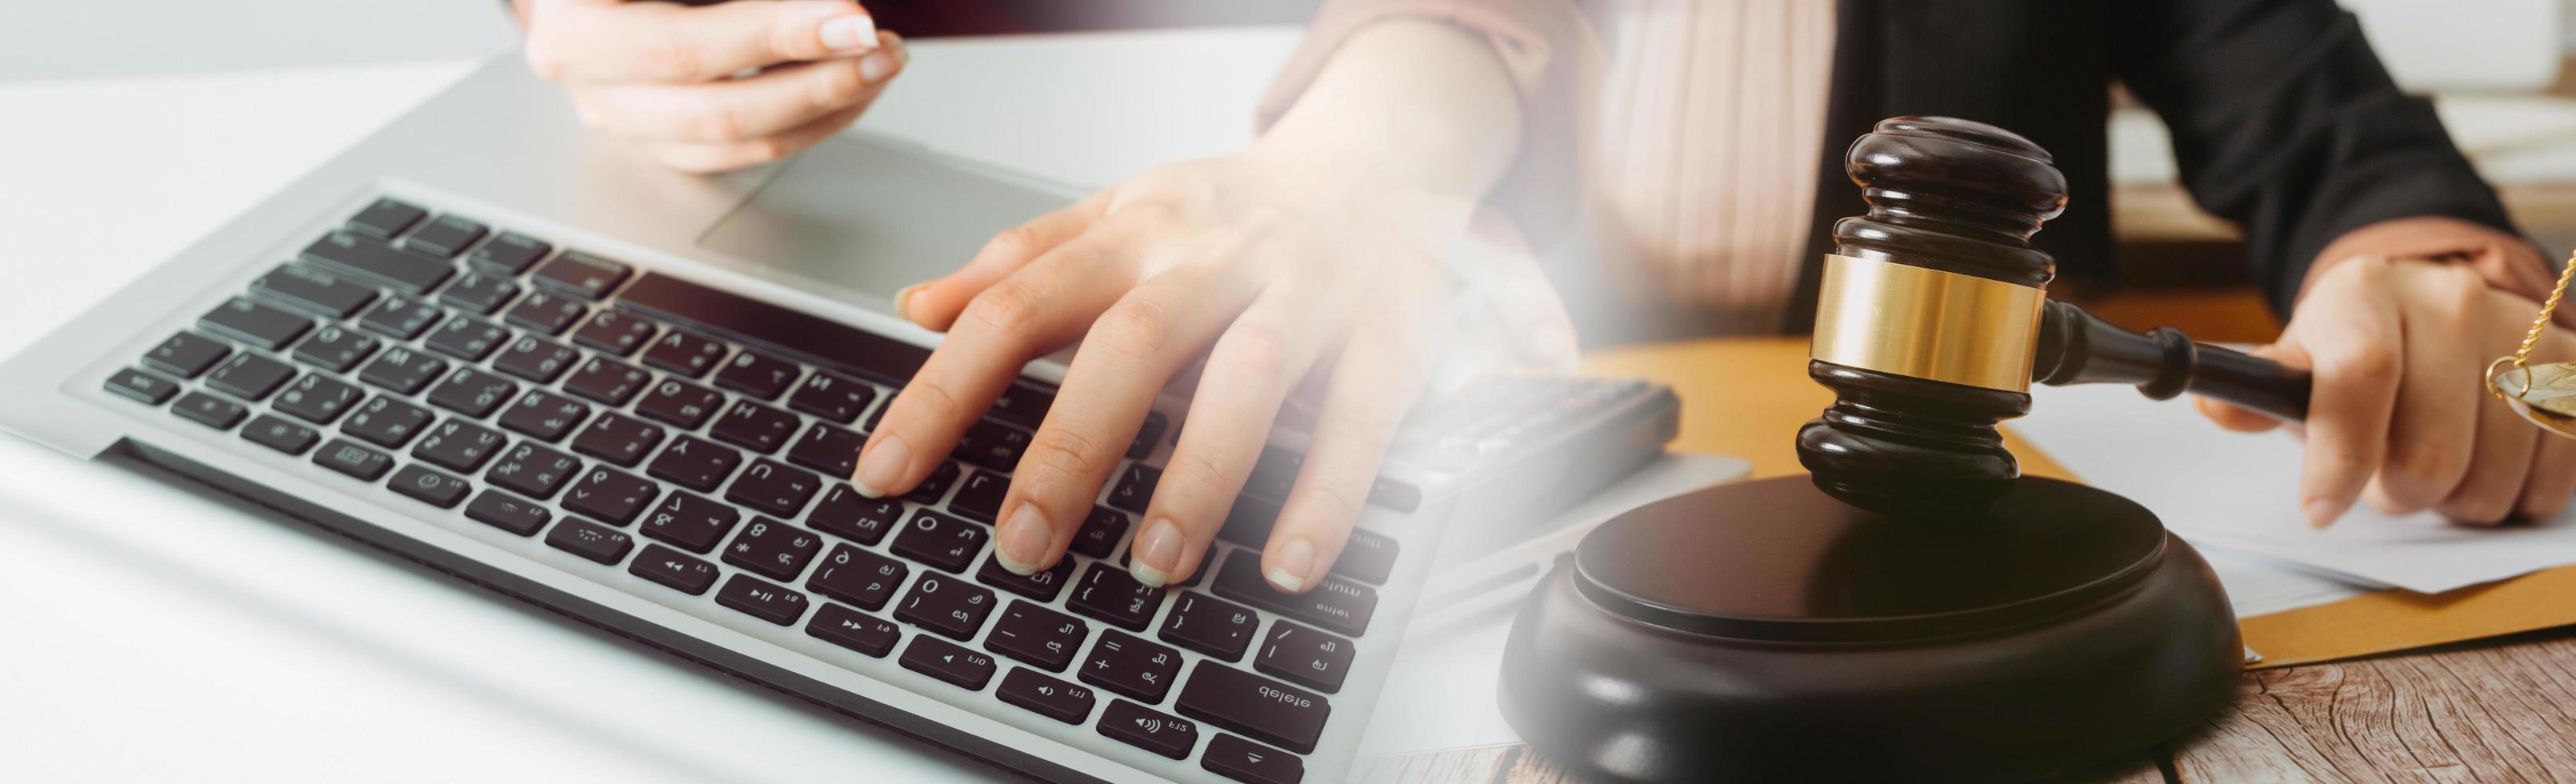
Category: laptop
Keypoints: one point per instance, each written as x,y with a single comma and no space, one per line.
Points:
484,341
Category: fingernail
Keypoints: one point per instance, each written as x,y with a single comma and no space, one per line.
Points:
2321,512
1296,560
876,66
1158,552
1024,540
881,467
903,302
850,34
902,52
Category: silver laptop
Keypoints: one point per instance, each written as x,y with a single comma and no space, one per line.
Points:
485,342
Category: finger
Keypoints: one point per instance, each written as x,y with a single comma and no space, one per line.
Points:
704,158
1376,382
2353,337
2435,428
935,304
732,110
2245,420
668,42
1044,307
1261,356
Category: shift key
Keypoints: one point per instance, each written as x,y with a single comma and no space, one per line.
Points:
411,271
1338,605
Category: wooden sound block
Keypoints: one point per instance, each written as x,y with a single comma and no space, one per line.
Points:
1766,631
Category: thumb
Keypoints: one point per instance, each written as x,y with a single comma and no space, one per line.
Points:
2287,351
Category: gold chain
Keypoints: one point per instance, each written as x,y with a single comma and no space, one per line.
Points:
2541,324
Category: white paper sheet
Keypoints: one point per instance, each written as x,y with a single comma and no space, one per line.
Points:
2238,491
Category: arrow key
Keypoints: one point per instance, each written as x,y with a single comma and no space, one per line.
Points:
1046,696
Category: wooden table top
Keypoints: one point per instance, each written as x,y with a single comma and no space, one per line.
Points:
2497,711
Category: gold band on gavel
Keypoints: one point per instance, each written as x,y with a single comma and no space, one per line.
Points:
1928,324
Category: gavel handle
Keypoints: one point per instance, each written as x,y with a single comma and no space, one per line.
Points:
2077,347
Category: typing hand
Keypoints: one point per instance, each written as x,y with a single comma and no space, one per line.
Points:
717,87
2400,416
1282,276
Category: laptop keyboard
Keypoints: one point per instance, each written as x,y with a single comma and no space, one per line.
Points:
698,440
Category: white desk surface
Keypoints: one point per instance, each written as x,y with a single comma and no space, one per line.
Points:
158,634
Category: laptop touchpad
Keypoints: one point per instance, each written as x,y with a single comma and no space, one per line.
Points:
862,219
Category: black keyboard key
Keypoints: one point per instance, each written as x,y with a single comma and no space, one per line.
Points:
992,445
854,630
758,375
683,353
545,415
607,382
142,387
386,218
755,427
1367,556
1148,729
1041,585
857,576
980,498
336,349
680,403
510,253
945,605
669,568
1111,594
832,396
773,549
590,541
773,487
256,324
582,274
1216,628
387,422
1147,435
694,464
467,338
761,600
838,346
249,376
936,486
827,449
348,458
536,360
1250,521
533,471
845,513
938,658
447,236
546,312
1273,473
319,399
1023,404
279,434
186,354
1285,716
413,272
312,290
611,496
1306,657
1338,605
618,439
479,293
403,370
401,319
1099,532
1129,665
430,487
472,392
1249,762
458,446
1135,488
1037,635
616,332
945,543
691,522
1046,696
508,512
211,411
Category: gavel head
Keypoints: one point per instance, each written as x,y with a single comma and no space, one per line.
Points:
1928,316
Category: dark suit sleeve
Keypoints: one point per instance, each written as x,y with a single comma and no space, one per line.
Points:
2285,122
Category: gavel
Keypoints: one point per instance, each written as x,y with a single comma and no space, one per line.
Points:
1933,320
